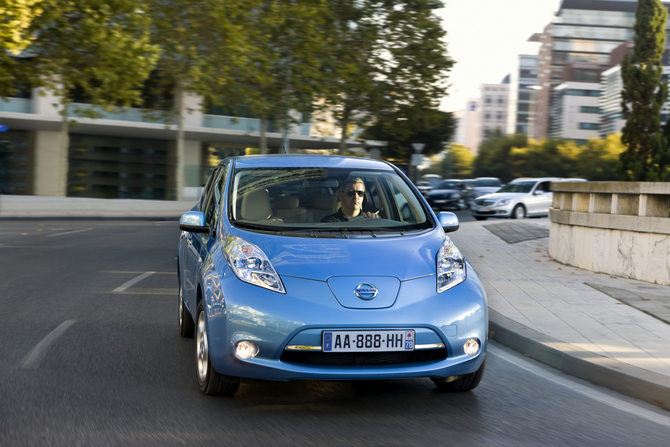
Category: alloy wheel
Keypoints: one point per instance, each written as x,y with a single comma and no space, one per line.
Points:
202,350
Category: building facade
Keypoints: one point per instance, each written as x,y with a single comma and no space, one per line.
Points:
583,31
521,97
128,153
493,107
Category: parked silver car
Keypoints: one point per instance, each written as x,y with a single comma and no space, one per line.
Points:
518,199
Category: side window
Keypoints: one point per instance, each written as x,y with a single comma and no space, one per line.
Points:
207,190
544,187
212,197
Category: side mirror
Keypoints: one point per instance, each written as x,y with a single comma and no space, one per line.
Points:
448,221
538,192
194,222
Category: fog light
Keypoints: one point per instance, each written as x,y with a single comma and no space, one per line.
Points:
246,350
471,347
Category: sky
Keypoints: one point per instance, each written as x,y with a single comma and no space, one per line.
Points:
485,37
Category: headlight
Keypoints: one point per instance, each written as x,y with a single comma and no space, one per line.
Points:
450,266
250,264
504,202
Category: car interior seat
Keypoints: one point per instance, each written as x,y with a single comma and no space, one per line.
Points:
288,209
256,207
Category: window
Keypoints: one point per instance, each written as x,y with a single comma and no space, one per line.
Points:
588,109
589,126
499,116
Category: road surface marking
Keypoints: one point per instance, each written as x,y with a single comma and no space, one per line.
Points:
69,232
132,282
35,356
125,273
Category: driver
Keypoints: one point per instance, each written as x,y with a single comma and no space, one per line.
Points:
351,196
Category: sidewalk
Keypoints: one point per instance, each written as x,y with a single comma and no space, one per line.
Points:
614,332
611,331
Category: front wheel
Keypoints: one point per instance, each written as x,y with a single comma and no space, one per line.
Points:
209,381
467,382
519,212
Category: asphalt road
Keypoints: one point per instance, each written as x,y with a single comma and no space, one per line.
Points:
89,358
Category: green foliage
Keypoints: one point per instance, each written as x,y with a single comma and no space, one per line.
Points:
205,45
17,16
458,162
428,126
513,156
647,155
390,60
289,43
99,46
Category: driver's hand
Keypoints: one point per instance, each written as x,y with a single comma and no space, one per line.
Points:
370,215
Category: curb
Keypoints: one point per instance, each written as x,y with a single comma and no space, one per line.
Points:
602,371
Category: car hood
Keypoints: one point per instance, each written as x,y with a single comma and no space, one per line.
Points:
403,257
501,196
486,189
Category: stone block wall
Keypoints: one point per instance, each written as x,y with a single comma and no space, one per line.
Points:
619,228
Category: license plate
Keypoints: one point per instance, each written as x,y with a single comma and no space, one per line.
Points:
367,341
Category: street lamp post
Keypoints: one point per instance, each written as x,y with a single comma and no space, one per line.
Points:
416,159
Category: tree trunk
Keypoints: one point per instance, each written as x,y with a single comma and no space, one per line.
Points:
179,155
343,137
264,137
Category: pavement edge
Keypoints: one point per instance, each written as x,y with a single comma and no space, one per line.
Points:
600,370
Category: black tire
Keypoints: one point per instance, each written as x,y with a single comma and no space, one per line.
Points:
210,382
519,212
479,218
186,325
467,382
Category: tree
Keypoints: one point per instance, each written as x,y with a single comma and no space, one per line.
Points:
204,52
643,95
14,38
457,163
100,47
431,127
290,42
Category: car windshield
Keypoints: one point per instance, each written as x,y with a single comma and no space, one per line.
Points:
523,187
448,185
308,199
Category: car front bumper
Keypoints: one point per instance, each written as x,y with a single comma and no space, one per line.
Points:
274,321
491,211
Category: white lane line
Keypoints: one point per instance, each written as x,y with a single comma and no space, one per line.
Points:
641,409
69,232
35,356
132,282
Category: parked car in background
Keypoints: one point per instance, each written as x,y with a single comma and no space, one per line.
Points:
518,199
449,194
485,185
276,283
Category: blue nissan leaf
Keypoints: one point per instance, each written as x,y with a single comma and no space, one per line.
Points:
301,267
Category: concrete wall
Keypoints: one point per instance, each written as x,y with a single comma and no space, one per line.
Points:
619,228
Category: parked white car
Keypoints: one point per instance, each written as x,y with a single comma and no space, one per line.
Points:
518,199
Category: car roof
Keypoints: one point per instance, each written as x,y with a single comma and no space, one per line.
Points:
309,161
538,179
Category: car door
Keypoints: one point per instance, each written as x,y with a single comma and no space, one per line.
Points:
540,199
191,254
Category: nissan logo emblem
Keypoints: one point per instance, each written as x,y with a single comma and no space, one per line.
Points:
366,291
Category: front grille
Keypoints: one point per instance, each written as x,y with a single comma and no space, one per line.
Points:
363,358
484,202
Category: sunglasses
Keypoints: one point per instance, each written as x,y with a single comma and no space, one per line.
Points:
351,192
